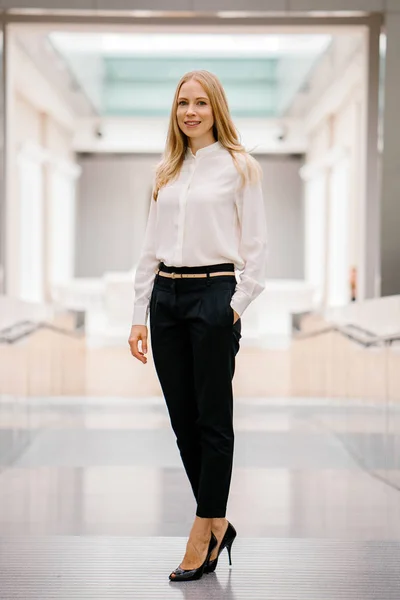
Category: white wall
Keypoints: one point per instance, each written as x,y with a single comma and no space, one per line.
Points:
283,195
114,194
41,177
333,176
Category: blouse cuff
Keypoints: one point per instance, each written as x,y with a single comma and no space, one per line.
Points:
140,314
239,302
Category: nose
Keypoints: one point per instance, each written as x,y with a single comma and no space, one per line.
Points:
190,111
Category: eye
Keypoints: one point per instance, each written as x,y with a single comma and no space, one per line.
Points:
202,102
181,102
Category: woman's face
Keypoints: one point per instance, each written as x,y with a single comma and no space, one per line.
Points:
194,113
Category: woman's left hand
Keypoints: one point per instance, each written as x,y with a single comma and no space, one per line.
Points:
235,316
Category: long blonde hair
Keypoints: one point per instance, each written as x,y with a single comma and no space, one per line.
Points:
223,129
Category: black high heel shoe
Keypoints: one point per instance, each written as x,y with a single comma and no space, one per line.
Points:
226,542
192,574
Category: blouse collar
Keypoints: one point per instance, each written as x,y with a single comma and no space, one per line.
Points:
203,151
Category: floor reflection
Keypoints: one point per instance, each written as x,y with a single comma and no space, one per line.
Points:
110,466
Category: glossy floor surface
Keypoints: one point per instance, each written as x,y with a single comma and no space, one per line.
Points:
69,568
94,502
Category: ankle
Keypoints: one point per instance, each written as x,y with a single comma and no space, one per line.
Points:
201,528
219,523
201,536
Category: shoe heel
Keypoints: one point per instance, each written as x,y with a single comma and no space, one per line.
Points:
229,547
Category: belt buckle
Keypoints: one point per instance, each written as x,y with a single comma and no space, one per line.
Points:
174,275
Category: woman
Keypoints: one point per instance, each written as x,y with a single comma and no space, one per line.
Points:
206,218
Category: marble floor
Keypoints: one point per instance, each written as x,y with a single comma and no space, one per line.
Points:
94,502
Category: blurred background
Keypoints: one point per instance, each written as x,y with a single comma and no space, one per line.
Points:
87,116
86,95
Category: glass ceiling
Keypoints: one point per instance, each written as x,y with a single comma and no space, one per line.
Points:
136,74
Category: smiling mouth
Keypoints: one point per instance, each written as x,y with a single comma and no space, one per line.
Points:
191,123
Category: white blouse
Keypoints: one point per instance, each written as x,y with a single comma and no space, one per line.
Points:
203,218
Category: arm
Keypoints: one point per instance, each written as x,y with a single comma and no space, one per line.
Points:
253,245
145,271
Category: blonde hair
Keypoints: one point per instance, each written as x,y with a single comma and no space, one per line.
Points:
224,131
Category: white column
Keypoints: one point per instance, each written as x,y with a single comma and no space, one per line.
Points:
370,272
2,173
338,292
327,225
30,223
61,221
315,234
368,284
390,202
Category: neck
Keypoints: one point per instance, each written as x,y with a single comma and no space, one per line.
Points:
197,144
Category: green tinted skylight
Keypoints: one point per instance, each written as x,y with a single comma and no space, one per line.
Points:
136,74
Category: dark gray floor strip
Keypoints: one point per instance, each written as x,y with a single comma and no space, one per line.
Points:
69,568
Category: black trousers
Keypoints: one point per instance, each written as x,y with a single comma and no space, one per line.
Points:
194,344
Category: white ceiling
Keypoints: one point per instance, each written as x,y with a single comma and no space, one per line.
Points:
199,44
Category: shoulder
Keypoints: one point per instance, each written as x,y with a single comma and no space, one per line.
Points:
248,167
245,159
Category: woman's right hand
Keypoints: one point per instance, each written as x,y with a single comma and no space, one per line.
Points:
138,334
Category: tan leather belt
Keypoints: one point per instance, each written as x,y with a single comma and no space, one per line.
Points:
192,275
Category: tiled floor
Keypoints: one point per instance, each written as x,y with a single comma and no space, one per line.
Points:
66,568
94,502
